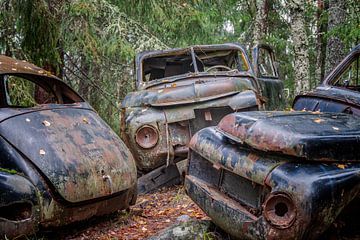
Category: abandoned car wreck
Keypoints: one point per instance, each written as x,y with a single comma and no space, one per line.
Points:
339,92
180,91
284,175
60,161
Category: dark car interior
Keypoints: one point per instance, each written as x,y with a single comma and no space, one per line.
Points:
176,63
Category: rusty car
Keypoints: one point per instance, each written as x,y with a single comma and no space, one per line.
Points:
180,91
284,174
339,92
60,162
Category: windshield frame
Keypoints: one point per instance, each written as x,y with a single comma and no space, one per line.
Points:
141,84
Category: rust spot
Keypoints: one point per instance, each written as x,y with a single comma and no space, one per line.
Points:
253,157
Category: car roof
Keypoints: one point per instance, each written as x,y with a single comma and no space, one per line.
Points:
10,65
176,51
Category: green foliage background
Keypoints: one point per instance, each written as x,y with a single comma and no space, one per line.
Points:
91,43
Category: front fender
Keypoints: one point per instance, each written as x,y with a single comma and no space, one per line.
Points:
320,192
19,205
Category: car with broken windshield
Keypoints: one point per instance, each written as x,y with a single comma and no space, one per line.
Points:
284,174
60,162
180,91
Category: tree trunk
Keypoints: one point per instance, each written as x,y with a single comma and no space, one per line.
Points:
335,49
300,43
320,40
261,17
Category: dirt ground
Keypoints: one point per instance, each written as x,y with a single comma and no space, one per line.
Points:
151,214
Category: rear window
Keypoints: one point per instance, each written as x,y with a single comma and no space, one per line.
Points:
24,93
32,90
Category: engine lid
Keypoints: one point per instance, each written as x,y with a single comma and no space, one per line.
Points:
75,150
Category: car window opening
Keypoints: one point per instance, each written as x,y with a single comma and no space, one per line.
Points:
349,78
182,63
21,92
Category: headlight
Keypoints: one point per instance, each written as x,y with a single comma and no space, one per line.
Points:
279,210
147,136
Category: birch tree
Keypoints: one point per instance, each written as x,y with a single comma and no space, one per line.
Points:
261,16
300,44
335,48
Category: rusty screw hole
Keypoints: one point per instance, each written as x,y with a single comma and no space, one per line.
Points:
281,209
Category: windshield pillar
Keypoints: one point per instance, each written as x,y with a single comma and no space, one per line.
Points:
194,60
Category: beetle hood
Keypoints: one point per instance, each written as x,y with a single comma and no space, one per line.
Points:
308,135
76,151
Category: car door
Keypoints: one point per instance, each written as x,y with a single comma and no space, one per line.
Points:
267,75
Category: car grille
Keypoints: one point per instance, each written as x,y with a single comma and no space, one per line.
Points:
208,117
249,194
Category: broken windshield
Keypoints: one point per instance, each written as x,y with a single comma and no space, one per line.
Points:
178,63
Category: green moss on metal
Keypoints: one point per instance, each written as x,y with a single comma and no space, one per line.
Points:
11,171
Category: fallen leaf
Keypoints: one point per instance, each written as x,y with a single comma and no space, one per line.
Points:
318,120
342,166
46,123
42,152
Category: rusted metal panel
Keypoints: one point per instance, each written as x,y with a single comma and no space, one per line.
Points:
209,143
196,90
309,135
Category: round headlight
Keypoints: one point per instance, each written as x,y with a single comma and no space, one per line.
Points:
147,136
279,210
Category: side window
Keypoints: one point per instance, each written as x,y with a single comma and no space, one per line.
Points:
25,93
350,78
265,63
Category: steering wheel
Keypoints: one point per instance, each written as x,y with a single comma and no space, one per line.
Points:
218,66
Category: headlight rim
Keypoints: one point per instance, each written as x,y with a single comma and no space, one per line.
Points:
153,142
269,210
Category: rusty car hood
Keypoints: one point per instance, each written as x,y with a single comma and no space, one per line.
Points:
194,92
306,135
74,150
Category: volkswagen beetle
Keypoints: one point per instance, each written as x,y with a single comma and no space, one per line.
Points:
60,162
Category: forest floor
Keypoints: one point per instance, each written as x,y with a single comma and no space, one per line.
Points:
151,214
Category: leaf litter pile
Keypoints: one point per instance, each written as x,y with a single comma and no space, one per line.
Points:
152,213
